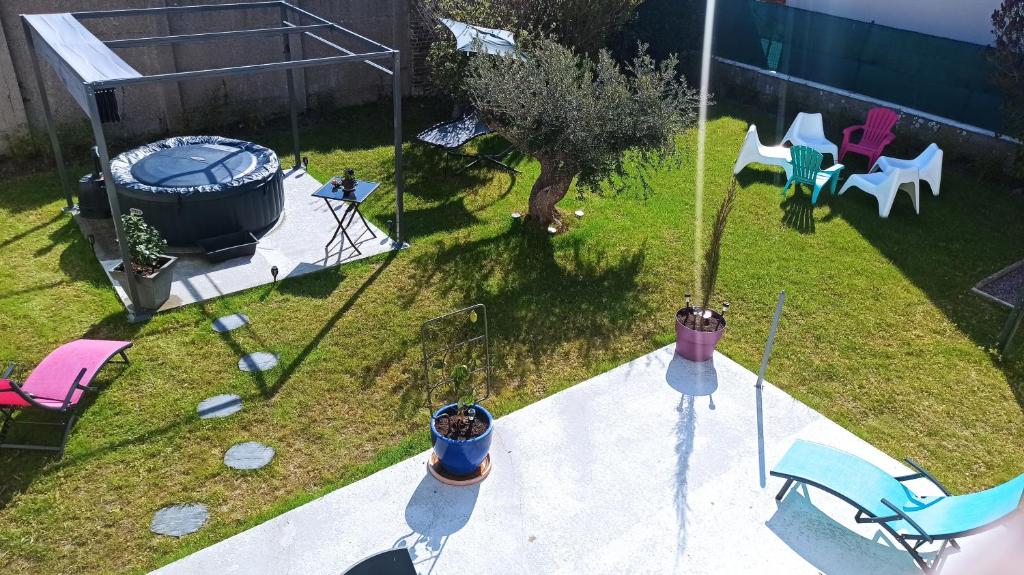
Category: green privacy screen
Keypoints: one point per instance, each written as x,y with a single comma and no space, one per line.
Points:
943,77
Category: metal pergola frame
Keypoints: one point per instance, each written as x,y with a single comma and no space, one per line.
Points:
290,16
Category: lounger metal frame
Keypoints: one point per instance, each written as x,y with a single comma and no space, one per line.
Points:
496,159
68,411
911,542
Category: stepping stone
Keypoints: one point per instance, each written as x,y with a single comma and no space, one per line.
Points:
259,361
219,406
230,322
179,520
248,456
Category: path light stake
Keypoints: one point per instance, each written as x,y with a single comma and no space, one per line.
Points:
688,296
725,308
305,163
274,271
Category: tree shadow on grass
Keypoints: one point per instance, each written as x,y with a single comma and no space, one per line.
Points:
969,232
539,296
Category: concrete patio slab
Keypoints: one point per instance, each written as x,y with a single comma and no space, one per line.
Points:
297,245
658,466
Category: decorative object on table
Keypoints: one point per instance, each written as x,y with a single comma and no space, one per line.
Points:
456,359
754,152
885,185
699,329
153,269
349,182
928,165
334,192
875,135
806,169
809,130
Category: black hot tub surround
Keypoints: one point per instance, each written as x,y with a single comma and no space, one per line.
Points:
197,187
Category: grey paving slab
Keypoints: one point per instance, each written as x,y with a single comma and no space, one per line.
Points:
179,520
658,467
259,361
296,246
248,456
230,322
219,406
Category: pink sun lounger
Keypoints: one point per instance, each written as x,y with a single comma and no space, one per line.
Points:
56,386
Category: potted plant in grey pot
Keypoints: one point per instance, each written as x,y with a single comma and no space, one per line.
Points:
153,269
699,329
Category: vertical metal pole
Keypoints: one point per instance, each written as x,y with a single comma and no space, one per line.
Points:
771,338
51,127
399,183
293,103
115,204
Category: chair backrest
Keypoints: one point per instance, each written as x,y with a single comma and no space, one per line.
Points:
391,562
806,163
878,125
928,156
808,124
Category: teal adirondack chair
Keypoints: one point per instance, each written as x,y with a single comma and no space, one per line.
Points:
807,170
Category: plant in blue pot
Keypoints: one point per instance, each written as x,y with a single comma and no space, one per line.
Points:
461,430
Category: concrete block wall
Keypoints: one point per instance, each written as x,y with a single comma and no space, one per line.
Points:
191,105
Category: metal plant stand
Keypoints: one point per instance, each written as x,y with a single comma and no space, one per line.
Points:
457,337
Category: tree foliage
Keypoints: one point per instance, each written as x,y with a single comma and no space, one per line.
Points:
581,117
1008,56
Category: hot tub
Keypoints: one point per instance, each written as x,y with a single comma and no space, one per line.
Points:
198,187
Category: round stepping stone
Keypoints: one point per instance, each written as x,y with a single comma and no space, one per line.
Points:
248,456
259,361
219,406
179,520
230,322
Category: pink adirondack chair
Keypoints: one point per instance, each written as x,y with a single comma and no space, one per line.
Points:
876,135
56,386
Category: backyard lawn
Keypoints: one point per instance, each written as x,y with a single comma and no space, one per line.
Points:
880,333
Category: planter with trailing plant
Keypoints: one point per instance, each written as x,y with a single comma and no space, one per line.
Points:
461,431
700,328
152,268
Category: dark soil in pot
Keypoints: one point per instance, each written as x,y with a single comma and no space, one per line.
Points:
460,427
695,320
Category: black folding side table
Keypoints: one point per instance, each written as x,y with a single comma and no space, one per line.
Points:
352,201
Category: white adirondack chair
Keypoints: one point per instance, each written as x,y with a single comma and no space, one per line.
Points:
754,152
809,130
885,185
928,165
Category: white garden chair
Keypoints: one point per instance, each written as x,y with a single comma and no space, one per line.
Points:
885,185
809,130
928,165
754,152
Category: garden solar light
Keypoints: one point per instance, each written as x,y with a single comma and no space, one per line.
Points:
274,271
305,162
725,308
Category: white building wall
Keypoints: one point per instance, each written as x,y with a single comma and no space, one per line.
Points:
966,20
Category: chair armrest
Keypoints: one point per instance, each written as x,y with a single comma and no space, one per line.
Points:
922,473
834,170
8,371
67,400
847,132
901,515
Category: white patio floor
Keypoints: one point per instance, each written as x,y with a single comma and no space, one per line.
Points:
297,245
658,466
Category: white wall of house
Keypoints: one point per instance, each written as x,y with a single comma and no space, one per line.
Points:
966,20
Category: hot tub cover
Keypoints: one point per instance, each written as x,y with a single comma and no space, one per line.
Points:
237,165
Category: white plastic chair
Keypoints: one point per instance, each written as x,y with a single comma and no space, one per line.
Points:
754,152
885,185
928,164
809,130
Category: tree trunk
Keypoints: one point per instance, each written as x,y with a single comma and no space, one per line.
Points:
550,188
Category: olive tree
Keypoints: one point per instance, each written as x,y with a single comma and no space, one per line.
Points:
580,117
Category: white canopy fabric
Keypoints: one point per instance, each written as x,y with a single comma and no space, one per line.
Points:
491,41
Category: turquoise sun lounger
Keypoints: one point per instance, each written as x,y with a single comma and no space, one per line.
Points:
913,520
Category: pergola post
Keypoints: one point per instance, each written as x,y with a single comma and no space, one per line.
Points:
51,126
396,77
293,104
115,204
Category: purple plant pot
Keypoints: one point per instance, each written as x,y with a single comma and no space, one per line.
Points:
697,345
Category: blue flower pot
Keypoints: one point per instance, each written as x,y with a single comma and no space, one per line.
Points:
461,458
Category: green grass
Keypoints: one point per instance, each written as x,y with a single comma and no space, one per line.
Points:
880,334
